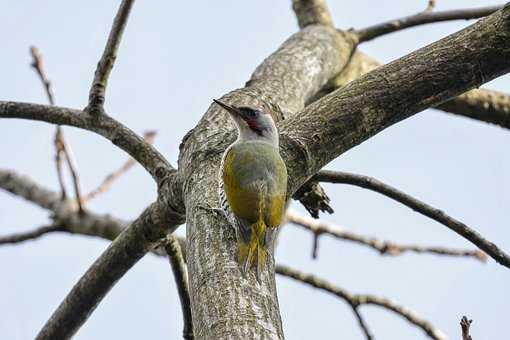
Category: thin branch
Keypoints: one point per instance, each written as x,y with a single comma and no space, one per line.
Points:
71,164
312,12
430,6
465,324
109,179
425,17
59,149
423,208
103,125
318,227
29,235
61,146
175,255
105,65
356,301
362,323
37,64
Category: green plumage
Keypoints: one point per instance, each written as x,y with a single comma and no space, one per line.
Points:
255,184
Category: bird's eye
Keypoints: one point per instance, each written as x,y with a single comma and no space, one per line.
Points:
249,112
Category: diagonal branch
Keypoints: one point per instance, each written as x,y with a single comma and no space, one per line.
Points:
422,18
131,245
105,65
31,191
355,301
29,235
103,125
423,208
175,255
318,227
480,104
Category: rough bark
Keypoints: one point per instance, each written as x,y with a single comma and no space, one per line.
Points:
224,304
428,77
479,104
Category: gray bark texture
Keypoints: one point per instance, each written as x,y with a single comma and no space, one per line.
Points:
224,304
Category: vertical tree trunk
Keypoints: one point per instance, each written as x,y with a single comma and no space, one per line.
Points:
226,305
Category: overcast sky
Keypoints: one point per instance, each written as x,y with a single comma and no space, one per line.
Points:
175,57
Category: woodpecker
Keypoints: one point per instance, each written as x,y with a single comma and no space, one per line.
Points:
253,184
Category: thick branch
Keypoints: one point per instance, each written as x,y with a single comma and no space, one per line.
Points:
105,65
173,249
437,215
422,18
480,104
103,125
356,301
318,227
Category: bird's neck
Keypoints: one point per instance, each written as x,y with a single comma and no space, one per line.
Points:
267,136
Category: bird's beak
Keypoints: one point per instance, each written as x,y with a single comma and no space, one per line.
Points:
231,109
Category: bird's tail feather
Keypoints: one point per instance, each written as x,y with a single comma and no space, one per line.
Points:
252,251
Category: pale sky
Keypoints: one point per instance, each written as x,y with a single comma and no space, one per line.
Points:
174,58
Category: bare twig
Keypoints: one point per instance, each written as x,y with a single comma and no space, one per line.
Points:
460,228
29,235
362,323
108,180
105,65
355,301
61,146
71,164
37,64
178,264
430,6
465,324
425,17
318,227
59,149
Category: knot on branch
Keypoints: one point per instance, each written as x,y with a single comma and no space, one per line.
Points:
313,197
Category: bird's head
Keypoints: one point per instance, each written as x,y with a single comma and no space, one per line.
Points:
253,122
